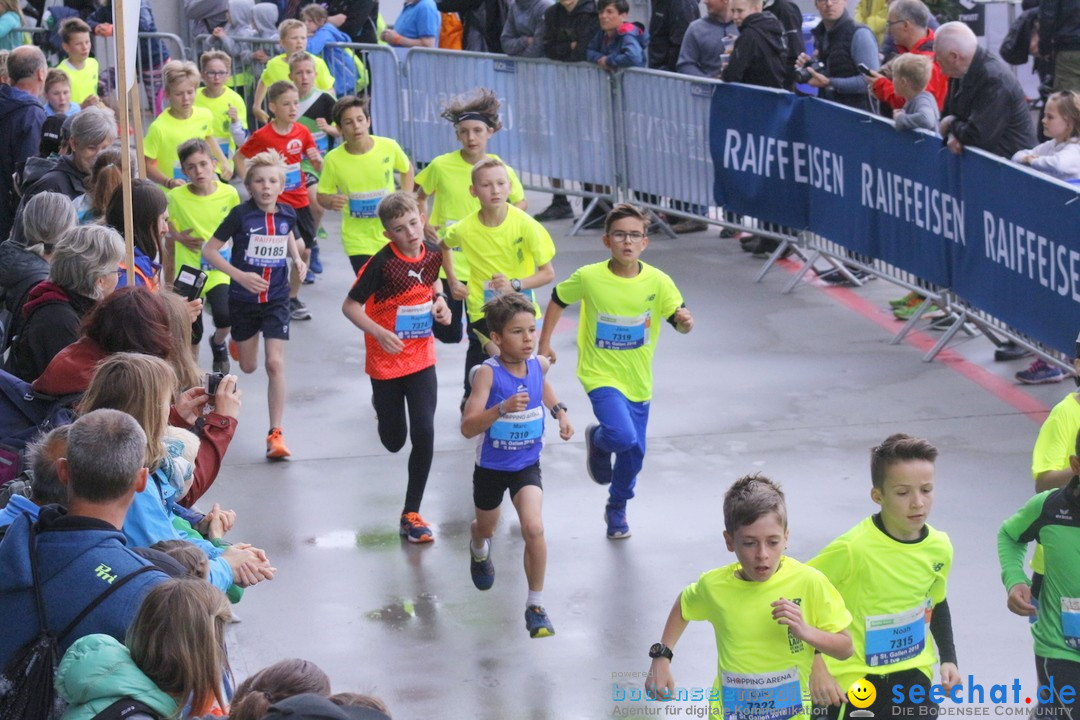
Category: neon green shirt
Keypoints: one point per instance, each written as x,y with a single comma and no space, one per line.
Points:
201,214
167,133
277,69
758,660
84,83
365,180
890,587
619,325
448,178
515,248
221,128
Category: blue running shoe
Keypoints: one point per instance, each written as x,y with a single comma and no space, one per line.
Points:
316,263
482,571
1040,372
309,279
615,517
597,462
537,623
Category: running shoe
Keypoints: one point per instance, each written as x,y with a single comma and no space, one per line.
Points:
1040,372
555,211
321,234
537,623
275,445
482,571
906,300
904,312
309,279
1009,350
316,263
234,350
221,357
298,310
415,529
597,462
615,517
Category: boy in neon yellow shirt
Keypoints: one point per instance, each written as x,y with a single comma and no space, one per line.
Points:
507,251
229,111
623,301
769,612
357,175
293,37
196,210
892,570
316,114
79,66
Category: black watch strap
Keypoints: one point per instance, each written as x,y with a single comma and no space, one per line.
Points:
660,650
556,408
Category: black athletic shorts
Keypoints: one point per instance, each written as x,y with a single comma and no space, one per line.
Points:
271,319
489,485
305,223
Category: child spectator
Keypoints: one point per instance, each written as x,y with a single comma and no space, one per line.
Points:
294,143
174,655
1059,156
263,235
350,74
354,179
79,66
105,178
182,121
523,33
507,251
505,413
708,40
196,210
770,613
623,301
150,224
283,679
190,557
293,36
892,570
618,43
475,119
153,53
394,299
58,94
11,18
228,110
1048,519
758,55
911,75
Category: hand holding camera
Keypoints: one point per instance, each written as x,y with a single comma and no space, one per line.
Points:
223,394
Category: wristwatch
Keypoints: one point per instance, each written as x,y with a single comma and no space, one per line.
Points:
556,408
441,295
659,650
515,284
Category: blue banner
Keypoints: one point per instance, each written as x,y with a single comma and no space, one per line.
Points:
1000,236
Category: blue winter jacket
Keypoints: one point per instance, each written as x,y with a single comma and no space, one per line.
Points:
624,49
21,118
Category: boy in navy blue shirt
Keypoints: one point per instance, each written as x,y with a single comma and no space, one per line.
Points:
263,235
505,412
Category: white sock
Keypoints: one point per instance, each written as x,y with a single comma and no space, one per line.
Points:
536,597
481,552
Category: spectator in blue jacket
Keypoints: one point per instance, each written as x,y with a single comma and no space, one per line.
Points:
619,43
80,552
21,118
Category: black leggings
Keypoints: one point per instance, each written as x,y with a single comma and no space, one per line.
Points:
883,705
419,392
451,334
218,300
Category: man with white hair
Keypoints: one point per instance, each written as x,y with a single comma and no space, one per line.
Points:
985,106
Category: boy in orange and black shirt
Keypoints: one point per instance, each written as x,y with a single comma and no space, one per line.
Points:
395,299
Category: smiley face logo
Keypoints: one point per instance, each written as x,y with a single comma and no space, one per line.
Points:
862,693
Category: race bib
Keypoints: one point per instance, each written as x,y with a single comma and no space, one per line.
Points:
178,174
517,431
293,176
413,321
365,204
763,696
226,254
614,332
321,141
490,293
267,250
895,638
1070,621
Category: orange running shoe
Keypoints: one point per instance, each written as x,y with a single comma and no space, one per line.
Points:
234,350
415,529
275,445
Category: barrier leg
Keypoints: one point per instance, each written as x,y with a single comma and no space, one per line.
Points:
915,317
797,278
665,228
961,321
587,211
772,261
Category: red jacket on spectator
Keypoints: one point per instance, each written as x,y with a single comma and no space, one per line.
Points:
938,86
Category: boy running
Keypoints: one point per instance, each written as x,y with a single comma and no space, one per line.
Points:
293,35
316,114
230,120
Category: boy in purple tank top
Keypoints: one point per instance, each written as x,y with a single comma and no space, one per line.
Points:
505,413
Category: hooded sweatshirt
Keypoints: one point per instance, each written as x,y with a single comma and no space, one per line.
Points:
567,34
98,671
78,558
21,117
53,315
758,57
625,48
525,19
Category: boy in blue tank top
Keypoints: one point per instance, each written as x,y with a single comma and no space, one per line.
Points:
505,413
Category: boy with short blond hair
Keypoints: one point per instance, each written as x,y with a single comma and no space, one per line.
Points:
623,301
769,612
57,94
394,300
911,74
78,65
293,36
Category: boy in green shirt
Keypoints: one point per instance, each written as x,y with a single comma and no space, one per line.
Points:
1051,518
623,301
229,111
292,34
769,612
892,569
79,66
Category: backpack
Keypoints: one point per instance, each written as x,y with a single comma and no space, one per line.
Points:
25,415
26,685
127,708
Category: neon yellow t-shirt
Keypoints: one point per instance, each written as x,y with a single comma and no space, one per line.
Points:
619,325
277,69
890,587
84,83
448,178
201,214
364,180
515,248
1056,442
167,133
758,660
222,123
